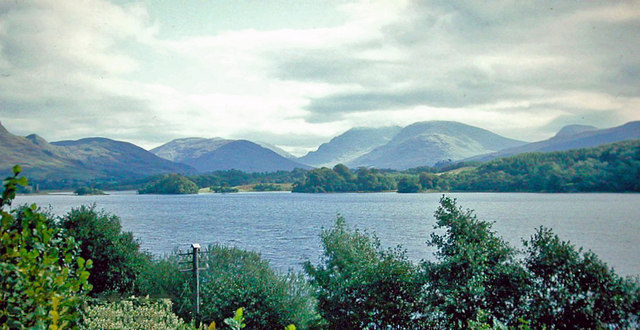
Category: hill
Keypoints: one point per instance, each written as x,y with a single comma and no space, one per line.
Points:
572,137
208,155
38,158
349,145
118,159
188,149
68,164
607,168
426,143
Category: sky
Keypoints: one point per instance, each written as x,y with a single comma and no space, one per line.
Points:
297,73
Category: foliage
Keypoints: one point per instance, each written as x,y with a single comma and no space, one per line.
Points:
117,260
42,277
235,278
475,271
267,187
476,281
238,178
358,285
224,189
237,321
84,190
409,184
133,313
612,168
340,179
571,289
170,184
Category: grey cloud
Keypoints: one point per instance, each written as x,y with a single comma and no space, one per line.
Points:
445,43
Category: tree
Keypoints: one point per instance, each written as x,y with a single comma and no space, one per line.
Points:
116,256
42,277
237,278
571,289
408,185
475,271
170,184
359,285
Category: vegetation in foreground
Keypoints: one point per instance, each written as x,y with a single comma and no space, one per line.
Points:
476,280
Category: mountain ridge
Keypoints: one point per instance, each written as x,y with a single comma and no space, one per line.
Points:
429,142
560,142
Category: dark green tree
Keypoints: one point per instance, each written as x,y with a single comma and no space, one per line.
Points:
571,289
475,271
359,285
408,185
116,256
170,184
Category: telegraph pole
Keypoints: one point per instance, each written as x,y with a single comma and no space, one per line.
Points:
195,271
196,280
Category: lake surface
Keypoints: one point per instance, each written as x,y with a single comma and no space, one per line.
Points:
284,227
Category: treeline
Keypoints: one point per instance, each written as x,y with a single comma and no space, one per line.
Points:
80,270
341,179
608,168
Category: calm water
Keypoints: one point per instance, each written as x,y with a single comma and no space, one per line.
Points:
285,227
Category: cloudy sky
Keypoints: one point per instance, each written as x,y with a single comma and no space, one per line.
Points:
296,73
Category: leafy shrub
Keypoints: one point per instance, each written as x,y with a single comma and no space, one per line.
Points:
358,285
236,278
133,313
42,277
571,289
170,184
554,285
475,271
117,260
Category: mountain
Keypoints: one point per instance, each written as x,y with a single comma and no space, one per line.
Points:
276,149
349,145
188,149
37,157
117,158
242,155
69,163
571,130
572,137
426,143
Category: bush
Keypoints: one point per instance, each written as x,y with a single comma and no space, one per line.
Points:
133,313
358,285
42,277
475,271
235,278
117,260
571,289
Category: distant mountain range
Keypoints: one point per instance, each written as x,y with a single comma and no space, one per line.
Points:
571,137
350,145
208,155
419,144
81,160
426,143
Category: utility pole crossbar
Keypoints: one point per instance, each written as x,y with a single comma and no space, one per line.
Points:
195,269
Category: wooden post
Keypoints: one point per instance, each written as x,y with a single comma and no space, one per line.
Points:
196,281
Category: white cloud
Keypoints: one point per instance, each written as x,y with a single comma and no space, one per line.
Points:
93,67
